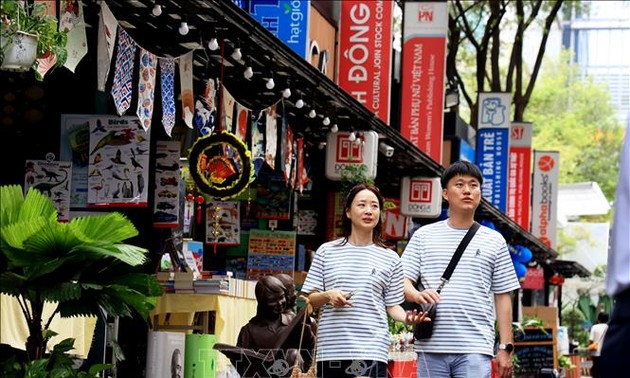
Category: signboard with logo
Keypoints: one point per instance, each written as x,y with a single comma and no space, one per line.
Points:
322,44
423,69
286,19
545,196
519,172
394,223
365,53
494,110
492,160
342,152
421,197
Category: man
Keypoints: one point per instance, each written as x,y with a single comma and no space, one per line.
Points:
615,355
463,334
598,331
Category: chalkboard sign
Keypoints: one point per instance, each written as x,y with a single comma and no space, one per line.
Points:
532,358
535,348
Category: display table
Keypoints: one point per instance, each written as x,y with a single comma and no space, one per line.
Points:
14,331
232,313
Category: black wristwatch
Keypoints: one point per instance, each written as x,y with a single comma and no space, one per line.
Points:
508,347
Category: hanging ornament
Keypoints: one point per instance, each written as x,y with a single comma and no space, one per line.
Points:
220,165
189,209
199,200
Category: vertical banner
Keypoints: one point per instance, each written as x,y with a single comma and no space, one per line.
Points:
519,173
286,19
425,27
365,53
545,196
494,110
492,159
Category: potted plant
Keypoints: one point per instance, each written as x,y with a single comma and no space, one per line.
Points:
83,265
27,34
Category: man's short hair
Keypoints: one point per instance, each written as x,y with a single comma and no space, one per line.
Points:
460,168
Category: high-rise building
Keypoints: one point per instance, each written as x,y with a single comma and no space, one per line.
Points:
599,40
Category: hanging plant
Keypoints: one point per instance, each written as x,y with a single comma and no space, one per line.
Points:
221,165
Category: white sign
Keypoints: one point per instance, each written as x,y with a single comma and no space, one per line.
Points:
342,152
421,197
494,110
545,196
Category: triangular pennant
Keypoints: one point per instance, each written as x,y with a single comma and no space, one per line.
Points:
107,26
167,80
122,86
71,20
271,136
146,88
186,87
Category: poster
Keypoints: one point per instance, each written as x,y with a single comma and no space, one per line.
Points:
270,252
165,354
167,178
52,178
118,162
75,147
223,223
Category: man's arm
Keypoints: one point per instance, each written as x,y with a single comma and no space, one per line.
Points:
414,296
503,305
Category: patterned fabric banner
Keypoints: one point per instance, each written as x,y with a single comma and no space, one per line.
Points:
121,89
186,87
71,19
107,26
146,87
167,80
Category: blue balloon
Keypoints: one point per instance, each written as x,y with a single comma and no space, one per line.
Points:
488,223
520,269
525,254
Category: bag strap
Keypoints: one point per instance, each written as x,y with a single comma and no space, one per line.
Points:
457,255
302,336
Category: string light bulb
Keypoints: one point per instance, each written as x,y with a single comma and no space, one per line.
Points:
322,145
213,44
334,128
357,141
248,72
236,54
299,104
157,10
352,137
286,93
183,28
270,83
312,113
326,121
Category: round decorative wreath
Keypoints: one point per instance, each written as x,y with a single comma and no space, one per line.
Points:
221,165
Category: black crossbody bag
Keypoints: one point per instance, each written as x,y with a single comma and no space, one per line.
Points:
424,330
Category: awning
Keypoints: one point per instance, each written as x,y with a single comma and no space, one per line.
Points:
569,269
266,54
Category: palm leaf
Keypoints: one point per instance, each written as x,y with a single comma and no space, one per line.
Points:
129,254
111,228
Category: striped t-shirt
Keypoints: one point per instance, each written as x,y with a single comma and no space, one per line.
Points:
359,332
465,315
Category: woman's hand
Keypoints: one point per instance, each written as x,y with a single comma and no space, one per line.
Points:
338,298
415,316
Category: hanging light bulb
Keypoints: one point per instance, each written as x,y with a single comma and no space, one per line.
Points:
236,55
322,145
326,121
352,137
312,113
183,28
248,72
299,104
270,83
213,44
157,10
286,93
334,128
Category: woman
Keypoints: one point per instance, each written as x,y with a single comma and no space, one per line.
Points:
358,281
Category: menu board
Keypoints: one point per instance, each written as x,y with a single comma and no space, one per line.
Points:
270,252
535,349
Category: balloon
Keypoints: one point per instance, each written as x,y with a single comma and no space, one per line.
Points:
488,223
525,254
520,269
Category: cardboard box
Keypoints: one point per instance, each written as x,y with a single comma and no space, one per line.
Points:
549,315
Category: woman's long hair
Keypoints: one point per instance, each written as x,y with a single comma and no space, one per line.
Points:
346,223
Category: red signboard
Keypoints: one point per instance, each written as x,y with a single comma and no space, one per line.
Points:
365,50
519,174
534,279
423,65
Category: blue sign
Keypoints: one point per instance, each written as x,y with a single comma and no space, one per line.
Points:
286,19
466,151
492,160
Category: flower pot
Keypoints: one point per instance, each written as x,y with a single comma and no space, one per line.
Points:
19,53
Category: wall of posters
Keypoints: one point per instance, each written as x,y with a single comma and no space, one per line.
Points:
52,178
270,252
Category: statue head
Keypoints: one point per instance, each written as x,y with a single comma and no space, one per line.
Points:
289,289
270,294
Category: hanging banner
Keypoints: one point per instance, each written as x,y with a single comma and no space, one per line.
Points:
286,19
519,173
494,110
425,28
492,159
394,223
545,196
365,53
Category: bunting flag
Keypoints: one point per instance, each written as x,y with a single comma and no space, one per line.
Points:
302,176
289,158
122,86
227,110
167,80
71,20
186,87
271,136
242,121
146,87
258,141
204,107
107,26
